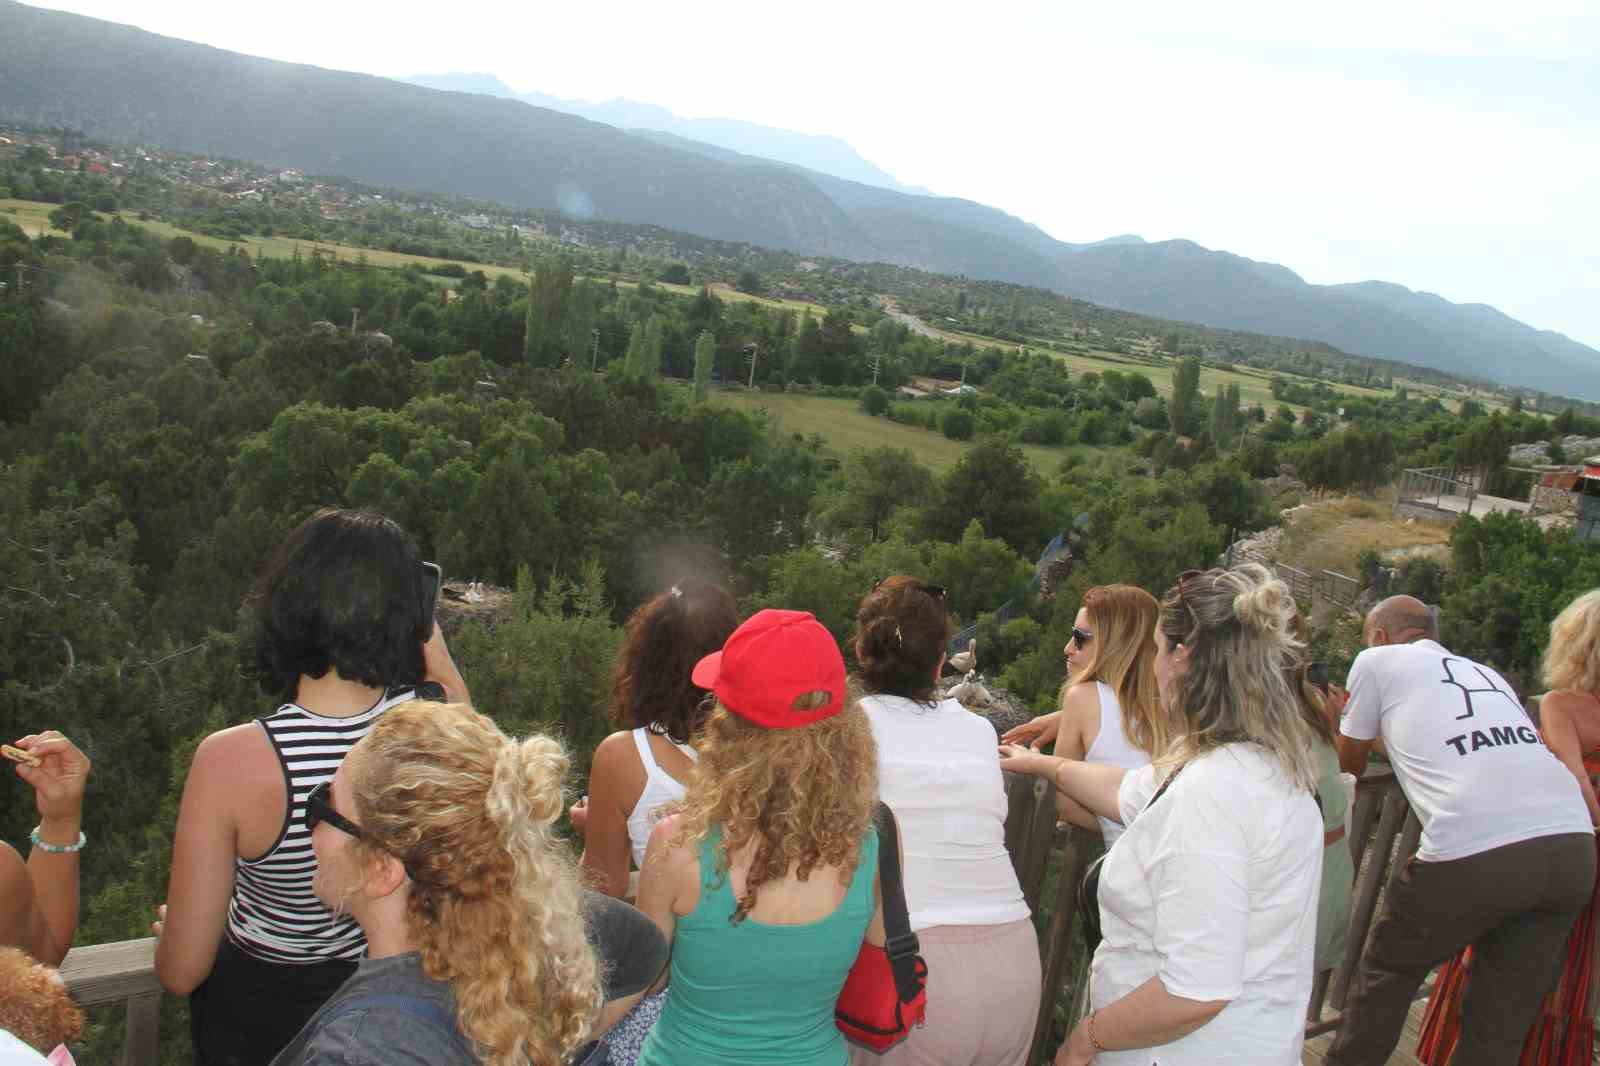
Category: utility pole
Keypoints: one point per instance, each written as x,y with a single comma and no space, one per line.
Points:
355,314
594,359
754,351
877,358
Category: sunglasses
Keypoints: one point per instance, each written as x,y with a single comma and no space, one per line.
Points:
319,808
938,592
1081,637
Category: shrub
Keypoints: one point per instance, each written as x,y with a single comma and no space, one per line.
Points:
873,400
958,424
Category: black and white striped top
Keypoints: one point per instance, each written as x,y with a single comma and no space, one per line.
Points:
274,915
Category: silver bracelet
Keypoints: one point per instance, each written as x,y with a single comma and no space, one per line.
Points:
57,849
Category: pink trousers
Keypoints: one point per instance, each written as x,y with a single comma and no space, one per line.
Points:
983,998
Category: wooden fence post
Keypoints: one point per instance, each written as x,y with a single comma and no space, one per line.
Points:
1058,934
142,1043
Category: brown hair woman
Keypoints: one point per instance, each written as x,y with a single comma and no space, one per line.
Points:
658,709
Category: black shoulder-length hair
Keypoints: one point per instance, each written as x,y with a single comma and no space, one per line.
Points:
343,592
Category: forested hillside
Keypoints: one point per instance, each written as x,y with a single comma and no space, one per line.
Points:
124,84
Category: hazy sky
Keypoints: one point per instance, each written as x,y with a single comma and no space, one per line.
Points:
1448,146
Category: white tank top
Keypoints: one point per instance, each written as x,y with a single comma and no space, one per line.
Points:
1113,748
660,788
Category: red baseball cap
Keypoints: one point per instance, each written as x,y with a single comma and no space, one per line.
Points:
771,661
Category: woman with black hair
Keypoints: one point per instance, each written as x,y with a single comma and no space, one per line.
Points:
342,631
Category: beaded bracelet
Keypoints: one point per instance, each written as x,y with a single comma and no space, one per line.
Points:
57,849
1094,1043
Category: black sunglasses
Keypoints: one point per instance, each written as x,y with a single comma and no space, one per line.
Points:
1081,637
938,592
319,808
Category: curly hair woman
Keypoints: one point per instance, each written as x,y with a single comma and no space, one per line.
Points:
938,770
436,836
766,879
1111,711
1208,901
658,708
343,631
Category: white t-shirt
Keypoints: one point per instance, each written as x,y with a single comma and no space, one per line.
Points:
939,770
1463,749
14,1052
1214,889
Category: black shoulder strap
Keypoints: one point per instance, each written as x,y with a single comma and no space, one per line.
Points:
900,943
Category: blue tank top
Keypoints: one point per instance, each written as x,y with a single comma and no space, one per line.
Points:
754,994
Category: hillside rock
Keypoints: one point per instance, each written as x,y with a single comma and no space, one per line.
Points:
1577,449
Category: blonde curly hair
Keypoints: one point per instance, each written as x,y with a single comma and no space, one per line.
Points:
495,903
803,798
1572,658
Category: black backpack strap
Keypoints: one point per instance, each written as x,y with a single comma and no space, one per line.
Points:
900,943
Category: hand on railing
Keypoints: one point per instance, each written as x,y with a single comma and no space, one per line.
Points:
1035,733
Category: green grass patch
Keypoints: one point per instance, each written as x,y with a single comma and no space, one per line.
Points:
845,428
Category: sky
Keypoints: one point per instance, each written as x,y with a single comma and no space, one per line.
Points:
1452,147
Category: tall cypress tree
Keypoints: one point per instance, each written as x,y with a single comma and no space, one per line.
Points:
705,353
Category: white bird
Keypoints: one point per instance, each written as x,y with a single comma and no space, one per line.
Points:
964,661
970,692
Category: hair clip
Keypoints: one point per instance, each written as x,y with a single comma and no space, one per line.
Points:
677,591
899,637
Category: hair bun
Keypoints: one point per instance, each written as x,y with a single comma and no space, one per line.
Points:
529,782
1265,606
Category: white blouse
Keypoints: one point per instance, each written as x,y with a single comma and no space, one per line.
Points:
939,770
1213,888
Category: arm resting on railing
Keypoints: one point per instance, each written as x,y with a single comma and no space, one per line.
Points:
1092,786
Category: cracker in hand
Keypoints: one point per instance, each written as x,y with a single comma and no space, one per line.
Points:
18,755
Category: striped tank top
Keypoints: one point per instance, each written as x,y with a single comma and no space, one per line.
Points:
274,916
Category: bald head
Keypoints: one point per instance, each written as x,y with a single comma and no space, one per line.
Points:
1399,620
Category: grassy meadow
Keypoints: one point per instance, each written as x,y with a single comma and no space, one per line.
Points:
845,428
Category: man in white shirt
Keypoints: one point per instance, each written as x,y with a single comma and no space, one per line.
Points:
1507,856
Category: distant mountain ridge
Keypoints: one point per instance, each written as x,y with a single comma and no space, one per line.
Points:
829,155
124,84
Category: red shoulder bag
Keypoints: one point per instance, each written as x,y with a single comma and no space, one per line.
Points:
887,990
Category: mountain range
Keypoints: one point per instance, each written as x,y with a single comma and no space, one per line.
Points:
123,84
829,155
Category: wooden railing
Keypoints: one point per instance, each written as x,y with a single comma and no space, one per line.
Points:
121,972
1383,834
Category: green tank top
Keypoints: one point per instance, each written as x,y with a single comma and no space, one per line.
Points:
752,994
1338,868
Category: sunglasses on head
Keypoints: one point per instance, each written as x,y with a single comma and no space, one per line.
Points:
1081,637
938,592
319,808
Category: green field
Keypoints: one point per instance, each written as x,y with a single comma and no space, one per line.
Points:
845,428
1255,386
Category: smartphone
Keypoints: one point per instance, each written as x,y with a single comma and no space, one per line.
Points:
432,580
